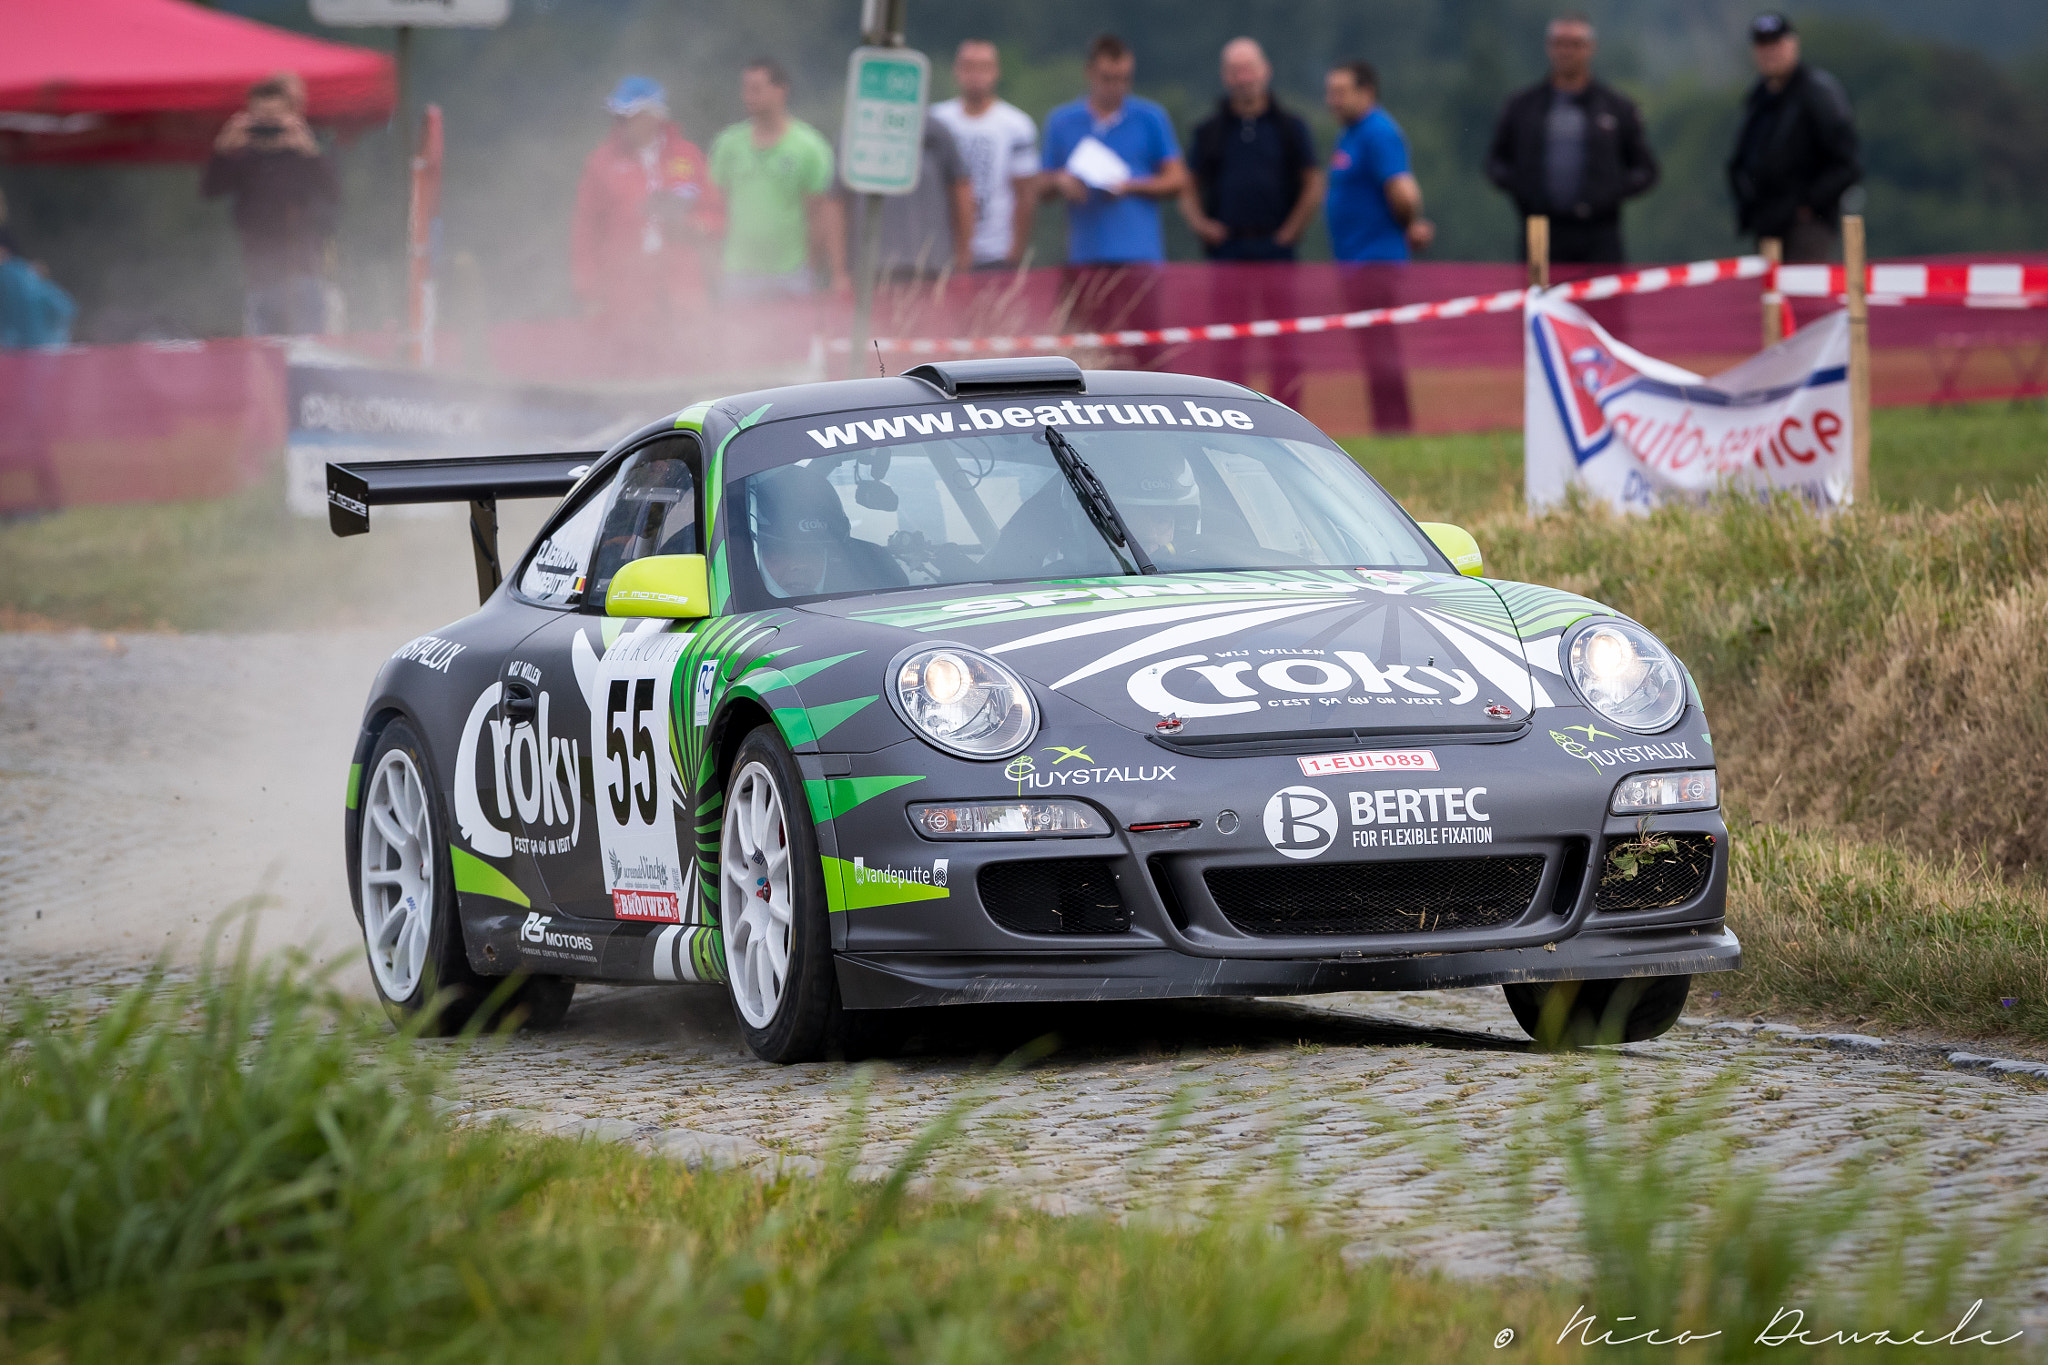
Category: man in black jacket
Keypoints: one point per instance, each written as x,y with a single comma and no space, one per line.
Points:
1572,149
1796,154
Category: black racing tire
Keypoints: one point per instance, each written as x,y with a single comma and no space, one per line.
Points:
446,995
796,1015
1628,1009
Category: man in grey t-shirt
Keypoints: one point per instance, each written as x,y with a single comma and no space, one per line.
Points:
1572,149
926,233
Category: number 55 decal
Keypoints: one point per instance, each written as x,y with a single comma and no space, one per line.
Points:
636,819
637,782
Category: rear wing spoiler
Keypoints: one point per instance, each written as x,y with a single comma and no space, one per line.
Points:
479,480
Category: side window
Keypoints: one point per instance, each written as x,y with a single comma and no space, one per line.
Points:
654,511
554,574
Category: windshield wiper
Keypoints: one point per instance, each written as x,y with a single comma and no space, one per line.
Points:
1095,498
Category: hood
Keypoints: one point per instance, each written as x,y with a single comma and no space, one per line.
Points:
1250,656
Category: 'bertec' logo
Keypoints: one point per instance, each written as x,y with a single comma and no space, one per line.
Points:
1300,822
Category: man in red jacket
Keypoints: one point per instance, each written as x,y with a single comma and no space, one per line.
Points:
645,205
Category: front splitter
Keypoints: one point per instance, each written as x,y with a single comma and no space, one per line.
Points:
904,980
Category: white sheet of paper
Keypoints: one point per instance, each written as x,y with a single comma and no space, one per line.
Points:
1096,166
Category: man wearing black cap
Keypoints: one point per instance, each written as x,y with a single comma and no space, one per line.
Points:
1796,154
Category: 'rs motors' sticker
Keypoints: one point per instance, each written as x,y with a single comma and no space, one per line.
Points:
635,773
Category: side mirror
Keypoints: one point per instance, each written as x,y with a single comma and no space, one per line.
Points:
1458,546
670,586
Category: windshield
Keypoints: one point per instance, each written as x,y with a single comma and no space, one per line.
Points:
995,506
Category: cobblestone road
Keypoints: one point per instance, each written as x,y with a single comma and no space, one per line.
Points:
144,785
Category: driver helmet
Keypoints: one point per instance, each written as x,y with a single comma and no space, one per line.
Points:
1149,478
796,504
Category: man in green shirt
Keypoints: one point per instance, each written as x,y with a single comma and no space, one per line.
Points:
776,172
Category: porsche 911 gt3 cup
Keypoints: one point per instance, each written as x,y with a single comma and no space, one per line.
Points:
1002,681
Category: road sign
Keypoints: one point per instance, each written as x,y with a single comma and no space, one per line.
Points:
882,144
412,13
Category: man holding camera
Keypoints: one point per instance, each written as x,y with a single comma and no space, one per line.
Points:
286,200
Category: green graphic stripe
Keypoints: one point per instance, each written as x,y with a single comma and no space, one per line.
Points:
794,673
355,785
1142,595
1538,610
475,877
692,417
835,796
802,725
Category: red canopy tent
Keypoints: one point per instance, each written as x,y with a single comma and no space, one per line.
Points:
152,80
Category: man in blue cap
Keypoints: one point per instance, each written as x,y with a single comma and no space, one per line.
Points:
643,207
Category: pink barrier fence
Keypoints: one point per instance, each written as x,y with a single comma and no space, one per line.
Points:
195,419
1440,375
148,423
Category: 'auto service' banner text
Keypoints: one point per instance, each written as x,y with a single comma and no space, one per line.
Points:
1634,431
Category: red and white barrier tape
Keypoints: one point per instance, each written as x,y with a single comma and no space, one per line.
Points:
1506,301
1975,286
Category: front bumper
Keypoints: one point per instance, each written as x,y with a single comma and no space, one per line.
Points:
931,935
903,980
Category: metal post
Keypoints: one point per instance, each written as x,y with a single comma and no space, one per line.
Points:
882,25
1773,251
1538,229
403,132
1855,268
483,544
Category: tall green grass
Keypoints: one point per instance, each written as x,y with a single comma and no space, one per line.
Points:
248,1167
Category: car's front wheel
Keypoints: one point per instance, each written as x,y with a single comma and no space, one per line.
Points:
1629,1009
772,907
406,904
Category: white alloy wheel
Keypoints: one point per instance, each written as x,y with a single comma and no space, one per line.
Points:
754,894
398,875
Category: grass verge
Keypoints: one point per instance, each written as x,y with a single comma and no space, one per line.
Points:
1919,457
1856,931
250,1168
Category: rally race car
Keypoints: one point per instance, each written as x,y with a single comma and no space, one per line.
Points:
1003,681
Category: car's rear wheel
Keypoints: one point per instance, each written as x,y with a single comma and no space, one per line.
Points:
773,909
1629,1009
406,905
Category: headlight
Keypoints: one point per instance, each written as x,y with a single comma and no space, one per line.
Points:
965,702
1007,820
1625,675
1649,793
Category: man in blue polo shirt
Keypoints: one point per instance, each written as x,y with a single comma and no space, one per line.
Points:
1375,213
1374,205
1113,157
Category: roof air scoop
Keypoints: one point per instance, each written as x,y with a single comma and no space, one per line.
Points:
1001,374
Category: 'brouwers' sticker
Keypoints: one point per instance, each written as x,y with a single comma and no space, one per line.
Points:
1374,761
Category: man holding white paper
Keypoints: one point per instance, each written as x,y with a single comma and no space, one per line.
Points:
1113,157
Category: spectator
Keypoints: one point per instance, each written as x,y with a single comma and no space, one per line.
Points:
285,202
776,172
643,207
1112,156
1572,149
927,233
1375,206
999,143
33,311
1375,215
1254,181
1796,154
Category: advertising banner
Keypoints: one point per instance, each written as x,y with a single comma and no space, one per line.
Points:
356,412
1634,431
